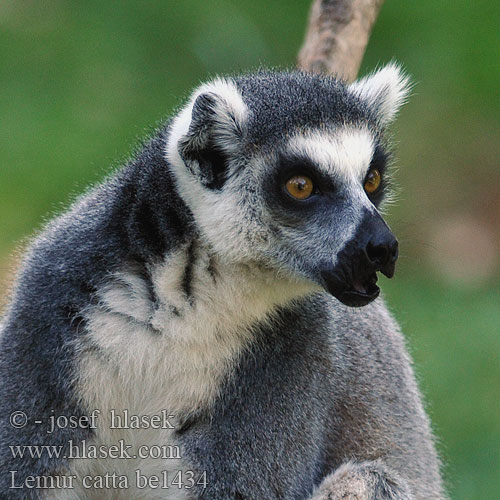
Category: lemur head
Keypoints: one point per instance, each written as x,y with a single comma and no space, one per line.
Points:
287,170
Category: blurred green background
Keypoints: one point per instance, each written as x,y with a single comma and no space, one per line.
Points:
80,82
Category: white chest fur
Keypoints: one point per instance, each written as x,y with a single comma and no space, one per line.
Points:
165,346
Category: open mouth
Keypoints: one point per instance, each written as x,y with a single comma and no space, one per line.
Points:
358,287
362,292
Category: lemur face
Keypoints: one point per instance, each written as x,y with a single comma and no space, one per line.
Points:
287,171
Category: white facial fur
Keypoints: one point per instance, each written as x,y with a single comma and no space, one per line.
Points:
345,154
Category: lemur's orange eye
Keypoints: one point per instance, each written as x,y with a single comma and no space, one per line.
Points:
300,187
372,181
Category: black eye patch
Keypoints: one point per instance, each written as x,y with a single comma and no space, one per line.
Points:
293,164
379,159
379,162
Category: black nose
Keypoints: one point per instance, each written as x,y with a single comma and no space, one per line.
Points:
383,253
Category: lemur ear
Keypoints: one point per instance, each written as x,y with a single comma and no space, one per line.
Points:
385,91
207,131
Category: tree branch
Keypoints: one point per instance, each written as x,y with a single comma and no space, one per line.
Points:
337,36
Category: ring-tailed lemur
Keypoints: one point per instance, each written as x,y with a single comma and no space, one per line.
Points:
185,330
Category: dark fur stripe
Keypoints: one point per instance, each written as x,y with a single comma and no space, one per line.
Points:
187,278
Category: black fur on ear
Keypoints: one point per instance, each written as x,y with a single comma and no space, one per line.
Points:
202,148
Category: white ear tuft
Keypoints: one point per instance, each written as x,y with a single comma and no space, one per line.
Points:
385,91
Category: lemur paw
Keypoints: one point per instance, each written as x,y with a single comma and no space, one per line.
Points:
362,481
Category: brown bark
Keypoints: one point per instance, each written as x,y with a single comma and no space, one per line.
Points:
337,36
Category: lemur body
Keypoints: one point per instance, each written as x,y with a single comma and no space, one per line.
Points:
191,282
